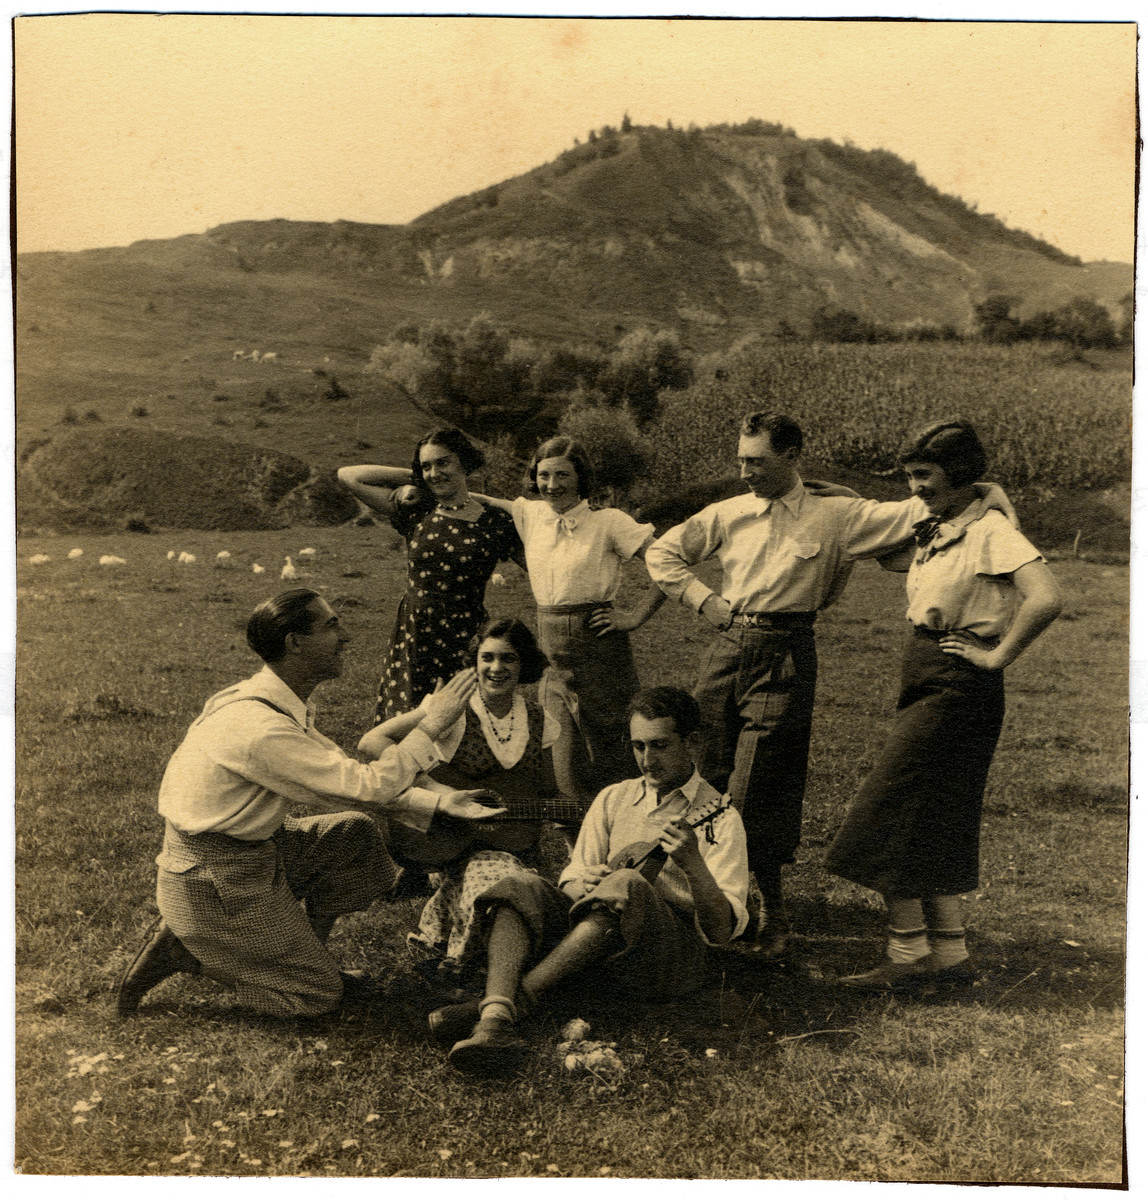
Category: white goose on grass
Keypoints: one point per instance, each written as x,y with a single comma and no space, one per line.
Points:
256,569
76,553
38,560
289,571
185,558
112,560
223,559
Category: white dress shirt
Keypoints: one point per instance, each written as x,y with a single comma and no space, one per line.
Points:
793,554
630,812
243,763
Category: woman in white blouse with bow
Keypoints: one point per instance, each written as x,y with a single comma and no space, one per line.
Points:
979,595
574,554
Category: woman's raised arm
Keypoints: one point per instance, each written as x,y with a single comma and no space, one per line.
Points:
375,485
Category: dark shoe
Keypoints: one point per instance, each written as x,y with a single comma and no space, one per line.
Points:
411,884
886,976
358,986
771,940
493,1048
453,1022
162,954
948,979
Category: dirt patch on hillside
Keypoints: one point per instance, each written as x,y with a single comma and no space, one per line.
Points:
97,479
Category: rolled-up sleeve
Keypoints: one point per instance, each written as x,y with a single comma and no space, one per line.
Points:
591,848
305,766
669,558
726,860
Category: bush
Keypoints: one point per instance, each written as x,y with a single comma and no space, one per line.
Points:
618,450
642,366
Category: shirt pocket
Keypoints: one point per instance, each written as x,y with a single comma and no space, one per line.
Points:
803,550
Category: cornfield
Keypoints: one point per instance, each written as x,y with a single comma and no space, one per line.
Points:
1047,425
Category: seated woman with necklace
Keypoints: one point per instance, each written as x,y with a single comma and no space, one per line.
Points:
501,743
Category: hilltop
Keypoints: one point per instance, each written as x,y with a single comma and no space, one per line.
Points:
714,232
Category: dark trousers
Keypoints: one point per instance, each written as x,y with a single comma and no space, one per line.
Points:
756,690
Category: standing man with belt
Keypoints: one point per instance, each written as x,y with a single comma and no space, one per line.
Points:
786,553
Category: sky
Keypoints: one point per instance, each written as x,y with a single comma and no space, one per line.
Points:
133,126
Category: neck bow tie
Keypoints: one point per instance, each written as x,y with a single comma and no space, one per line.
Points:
924,530
566,523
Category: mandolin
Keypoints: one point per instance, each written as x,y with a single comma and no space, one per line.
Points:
648,858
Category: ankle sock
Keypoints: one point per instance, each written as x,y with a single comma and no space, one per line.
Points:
948,947
498,1008
907,945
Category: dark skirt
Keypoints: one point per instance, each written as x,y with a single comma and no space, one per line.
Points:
593,678
914,828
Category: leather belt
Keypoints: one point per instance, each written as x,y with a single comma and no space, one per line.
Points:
774,620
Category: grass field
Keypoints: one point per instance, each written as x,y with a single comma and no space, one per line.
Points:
1019,1080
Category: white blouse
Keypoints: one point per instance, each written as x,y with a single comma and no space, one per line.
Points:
962,580
575,557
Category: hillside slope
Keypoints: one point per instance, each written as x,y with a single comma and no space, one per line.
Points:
705,228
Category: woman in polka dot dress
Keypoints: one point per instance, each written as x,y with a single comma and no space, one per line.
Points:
454,543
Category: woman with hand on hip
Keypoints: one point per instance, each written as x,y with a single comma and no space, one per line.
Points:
574,556
454,542
502,743
979,595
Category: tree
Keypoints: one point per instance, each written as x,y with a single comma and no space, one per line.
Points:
643,364
1085,324
994,316
612,440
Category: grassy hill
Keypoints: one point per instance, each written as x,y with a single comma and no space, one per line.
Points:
718,234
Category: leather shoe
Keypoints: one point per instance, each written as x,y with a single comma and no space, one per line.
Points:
453,1022
886,976
771,939
161,955
948,979
493,1048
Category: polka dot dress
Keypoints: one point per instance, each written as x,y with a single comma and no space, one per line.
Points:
449,563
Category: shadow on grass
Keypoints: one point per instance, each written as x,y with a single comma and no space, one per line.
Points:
746,1002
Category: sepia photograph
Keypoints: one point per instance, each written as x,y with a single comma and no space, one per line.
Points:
552,449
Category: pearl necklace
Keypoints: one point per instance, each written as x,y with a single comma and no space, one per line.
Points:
491,719
454,507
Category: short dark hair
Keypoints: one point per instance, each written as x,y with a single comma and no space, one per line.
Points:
470,457
661,701
953,445
510,629
271,622
562,447
784,432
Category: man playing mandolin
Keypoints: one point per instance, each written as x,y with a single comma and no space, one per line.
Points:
659,871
